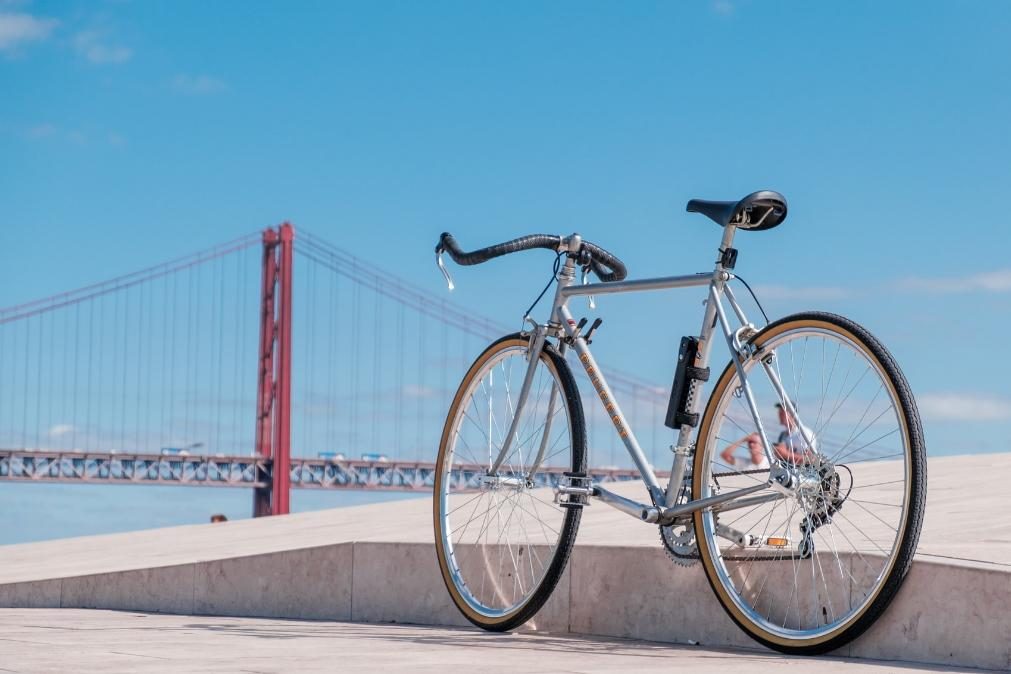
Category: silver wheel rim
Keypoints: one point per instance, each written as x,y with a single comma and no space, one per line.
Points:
499,540
814,598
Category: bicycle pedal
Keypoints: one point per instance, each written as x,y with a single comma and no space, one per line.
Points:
570,500
576,494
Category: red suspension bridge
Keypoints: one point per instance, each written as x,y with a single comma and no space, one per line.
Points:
227,368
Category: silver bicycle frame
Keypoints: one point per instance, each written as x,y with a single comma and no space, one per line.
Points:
563,326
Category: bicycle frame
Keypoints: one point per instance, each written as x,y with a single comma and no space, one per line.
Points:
563,326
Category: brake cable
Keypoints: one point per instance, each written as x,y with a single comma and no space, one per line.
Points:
554,277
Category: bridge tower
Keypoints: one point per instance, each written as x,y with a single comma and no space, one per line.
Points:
273,394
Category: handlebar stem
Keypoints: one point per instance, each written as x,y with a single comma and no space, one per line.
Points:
571,244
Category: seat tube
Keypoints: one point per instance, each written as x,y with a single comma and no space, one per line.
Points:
682,446
728,240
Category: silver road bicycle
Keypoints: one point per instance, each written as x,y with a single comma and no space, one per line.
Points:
799,486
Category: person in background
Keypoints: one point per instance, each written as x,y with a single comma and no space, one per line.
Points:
791,445
756,455
218,517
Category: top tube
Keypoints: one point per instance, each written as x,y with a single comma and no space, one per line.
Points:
663,283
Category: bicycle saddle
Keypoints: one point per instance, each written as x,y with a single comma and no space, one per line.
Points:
759,210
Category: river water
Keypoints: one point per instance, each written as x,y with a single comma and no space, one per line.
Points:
38,512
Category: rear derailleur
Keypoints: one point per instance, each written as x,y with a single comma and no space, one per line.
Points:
821,506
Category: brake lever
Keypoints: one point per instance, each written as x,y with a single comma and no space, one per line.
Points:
445,272
586,276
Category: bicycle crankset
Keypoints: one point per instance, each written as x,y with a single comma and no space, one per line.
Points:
679,543
679,539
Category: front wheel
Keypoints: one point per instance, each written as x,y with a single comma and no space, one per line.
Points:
808,568
502,542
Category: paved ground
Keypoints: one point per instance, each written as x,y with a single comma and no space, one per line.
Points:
113,642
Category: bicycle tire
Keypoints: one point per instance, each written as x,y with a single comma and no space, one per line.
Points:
740,594
464,590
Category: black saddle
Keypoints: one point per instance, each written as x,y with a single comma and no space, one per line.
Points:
757,211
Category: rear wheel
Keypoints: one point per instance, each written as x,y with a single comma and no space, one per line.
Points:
810,570
502,542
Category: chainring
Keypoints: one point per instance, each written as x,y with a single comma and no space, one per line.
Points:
679,543
679,539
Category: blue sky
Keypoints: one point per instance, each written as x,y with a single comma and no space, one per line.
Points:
132,132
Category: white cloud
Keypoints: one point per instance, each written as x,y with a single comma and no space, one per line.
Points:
415,391
964,407
44,130
91,45
47,132
776,292
998,281
195,85
17,29
724,7
60,429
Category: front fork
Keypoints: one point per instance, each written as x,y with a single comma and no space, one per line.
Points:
552,401
537,339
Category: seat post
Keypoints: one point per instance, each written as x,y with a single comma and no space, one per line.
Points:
727,242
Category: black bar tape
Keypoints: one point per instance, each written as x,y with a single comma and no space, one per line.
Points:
448,243
606,266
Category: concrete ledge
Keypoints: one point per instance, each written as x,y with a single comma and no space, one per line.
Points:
313,583
945,614
167,589
32,594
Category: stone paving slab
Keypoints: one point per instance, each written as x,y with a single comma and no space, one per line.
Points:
109,642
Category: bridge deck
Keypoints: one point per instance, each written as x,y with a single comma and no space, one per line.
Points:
71,467
376,563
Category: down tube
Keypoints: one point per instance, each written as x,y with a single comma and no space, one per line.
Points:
613,410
